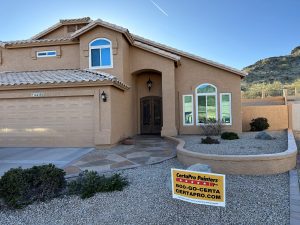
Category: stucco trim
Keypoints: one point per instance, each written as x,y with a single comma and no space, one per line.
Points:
242,164
156,51
99,22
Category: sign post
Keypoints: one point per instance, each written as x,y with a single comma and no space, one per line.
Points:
198,187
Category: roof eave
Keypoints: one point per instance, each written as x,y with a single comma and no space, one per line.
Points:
116,84
190,56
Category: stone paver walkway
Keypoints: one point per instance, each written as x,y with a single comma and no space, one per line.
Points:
148,149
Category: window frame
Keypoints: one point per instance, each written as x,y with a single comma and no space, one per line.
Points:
183,111
205,94
230,109
47,52
100,47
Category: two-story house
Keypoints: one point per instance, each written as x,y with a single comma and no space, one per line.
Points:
86,82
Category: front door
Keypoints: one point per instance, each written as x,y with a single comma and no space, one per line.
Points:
151,116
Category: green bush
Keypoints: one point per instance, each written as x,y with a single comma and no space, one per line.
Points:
89,183
229,136
20,187
209,140
259,124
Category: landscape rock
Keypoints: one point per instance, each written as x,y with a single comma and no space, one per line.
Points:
263,136
198,167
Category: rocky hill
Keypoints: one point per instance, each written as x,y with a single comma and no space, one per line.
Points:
285,69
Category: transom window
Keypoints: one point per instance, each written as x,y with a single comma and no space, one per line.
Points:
100,53
206,103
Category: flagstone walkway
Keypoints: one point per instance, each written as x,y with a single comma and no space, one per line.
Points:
148,149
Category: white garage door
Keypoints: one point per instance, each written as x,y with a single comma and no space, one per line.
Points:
46,122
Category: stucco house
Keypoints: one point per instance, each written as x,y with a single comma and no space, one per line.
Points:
86,82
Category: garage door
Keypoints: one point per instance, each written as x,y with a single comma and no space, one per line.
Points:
46,122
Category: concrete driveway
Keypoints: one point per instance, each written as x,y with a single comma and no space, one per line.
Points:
28,157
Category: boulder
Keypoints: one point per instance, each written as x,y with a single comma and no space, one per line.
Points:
196,167
263,136
200,168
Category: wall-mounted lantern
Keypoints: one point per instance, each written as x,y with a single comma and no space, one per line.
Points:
103,96
149,84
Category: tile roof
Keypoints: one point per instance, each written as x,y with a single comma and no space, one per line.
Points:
56,77
59,24
156,50
76,20
188,55
29,41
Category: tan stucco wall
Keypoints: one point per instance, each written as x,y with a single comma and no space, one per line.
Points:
24,59
192,74
295,115
277,116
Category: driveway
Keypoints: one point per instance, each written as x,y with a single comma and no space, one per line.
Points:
28,157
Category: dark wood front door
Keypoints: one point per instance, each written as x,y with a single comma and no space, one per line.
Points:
151,116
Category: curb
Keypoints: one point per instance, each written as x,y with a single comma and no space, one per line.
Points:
294,198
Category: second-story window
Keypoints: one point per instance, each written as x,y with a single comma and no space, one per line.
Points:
46,54
100,54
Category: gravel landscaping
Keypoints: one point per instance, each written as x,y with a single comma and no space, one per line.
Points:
246,145
249,200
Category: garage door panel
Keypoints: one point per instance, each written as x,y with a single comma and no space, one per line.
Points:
42,122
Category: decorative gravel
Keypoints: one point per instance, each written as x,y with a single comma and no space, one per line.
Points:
246,145
249,200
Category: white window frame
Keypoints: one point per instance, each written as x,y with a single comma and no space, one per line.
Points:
205,94
100,47
45,56
230,110
183,111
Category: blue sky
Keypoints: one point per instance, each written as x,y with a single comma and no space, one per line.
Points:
233,32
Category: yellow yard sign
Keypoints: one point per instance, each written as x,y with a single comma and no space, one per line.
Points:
198,187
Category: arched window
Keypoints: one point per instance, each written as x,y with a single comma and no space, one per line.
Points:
100,53
206,103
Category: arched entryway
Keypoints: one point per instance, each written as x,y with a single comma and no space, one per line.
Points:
148,90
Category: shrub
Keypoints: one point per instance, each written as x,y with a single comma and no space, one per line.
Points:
89,183
211,127
209,140
259,124
20,187
229,136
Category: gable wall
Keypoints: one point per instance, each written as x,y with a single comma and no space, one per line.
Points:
190,75
117,41
24,59
57,33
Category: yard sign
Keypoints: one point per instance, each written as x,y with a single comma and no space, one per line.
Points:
198,188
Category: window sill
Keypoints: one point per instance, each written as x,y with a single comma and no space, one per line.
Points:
100,67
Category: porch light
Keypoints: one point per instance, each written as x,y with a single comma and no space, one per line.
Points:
103,96
149,84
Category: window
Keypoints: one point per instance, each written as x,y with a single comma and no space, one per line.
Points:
206,103
100,54
46,54
188,110
225,108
